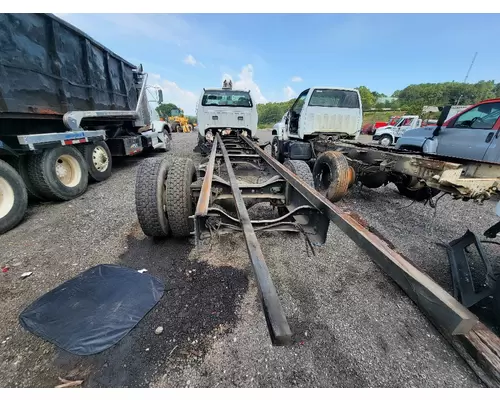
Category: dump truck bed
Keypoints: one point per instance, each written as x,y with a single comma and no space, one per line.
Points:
48,67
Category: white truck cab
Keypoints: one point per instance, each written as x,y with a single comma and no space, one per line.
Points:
317,111
388,135
225,110
323,110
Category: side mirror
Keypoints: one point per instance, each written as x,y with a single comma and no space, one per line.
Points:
441,120
160,96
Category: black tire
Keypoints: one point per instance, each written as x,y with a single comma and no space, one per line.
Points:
98,159
167,140
13,197
389,137
332,175
44,179
276,151
496,303
150,200
20,164
179,201
175,125
301,169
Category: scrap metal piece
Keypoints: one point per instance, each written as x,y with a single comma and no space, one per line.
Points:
275,316
442,308
463,285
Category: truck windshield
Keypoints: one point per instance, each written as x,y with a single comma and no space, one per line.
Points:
226,98
334,98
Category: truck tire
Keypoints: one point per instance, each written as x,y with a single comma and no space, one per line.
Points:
60,173
167,140
385,140
496,302
332,175
175,125
20,164
180,205
13,197
276,152
98,159
150,199
301,169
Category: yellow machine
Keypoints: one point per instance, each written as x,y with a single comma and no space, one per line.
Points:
179,122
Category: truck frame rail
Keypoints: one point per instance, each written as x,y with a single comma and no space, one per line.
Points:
307,211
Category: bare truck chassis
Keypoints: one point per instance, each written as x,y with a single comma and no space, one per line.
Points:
172,199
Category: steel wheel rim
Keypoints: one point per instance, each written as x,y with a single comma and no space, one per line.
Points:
100,159
385,141
68,170
6,197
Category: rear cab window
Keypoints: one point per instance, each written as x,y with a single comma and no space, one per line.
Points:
227,98
334,98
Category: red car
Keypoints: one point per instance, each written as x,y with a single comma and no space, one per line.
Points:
369,129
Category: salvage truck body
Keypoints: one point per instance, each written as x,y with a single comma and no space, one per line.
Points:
67,105
225,110
176,199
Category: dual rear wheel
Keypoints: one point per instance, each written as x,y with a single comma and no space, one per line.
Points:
163,196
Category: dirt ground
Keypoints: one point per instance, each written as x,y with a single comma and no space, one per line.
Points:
353,327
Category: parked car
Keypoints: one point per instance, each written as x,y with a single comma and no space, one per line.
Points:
472,134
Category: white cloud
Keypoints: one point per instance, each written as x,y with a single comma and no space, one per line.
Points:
246,82
296,79
173,93
190,60
289,92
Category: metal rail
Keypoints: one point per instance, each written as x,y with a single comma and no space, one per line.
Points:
434,301
275,316
479,347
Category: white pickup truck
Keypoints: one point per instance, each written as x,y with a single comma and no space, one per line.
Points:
390,134
318,111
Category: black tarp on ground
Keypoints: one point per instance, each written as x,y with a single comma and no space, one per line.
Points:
94,310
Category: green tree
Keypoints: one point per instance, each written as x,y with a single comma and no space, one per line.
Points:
367,98
164,110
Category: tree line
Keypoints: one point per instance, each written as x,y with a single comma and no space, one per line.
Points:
411,99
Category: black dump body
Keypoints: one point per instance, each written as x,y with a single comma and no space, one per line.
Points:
48,67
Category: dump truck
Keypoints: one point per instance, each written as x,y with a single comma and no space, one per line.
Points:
67,106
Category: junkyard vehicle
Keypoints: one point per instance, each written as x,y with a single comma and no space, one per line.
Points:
175,199
327,111
470,135
223,110
389,134
67,105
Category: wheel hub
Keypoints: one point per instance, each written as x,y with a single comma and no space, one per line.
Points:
68,170
385,141
100,159
6,197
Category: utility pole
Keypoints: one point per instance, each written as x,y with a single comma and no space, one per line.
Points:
467,75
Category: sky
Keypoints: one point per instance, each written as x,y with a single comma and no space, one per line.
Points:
277,56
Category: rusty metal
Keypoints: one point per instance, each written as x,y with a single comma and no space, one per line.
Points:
275,316
206,188
434,301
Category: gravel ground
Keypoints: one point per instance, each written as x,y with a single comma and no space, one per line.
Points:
353,326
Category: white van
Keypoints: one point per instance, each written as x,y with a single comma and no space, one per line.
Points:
224,110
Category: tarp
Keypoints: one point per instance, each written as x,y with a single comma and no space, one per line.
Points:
94,310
